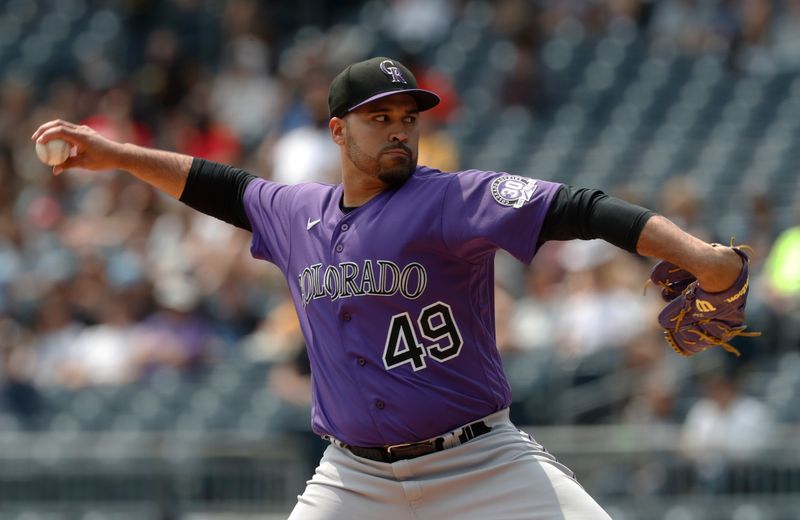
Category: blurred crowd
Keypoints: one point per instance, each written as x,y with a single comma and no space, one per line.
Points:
103,281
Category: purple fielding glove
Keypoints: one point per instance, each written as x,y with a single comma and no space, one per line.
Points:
672,279
697,320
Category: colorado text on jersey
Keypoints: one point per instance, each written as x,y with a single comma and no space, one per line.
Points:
349,279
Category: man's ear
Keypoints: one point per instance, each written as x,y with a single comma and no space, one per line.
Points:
338,129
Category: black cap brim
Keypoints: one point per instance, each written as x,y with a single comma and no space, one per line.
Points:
425,98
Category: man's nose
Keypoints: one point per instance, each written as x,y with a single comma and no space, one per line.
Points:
398,136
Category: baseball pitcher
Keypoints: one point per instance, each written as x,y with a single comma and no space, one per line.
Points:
391,272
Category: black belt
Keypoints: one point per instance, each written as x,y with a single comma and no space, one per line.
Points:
417,449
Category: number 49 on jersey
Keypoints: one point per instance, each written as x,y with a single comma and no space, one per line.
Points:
435,324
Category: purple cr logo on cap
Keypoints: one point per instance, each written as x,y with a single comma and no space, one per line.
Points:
388,68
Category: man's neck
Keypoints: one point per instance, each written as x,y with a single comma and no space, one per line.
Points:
359,188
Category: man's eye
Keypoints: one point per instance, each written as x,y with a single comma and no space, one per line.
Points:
380,119
411,119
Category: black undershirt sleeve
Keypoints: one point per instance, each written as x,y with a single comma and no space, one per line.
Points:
586,213
218,190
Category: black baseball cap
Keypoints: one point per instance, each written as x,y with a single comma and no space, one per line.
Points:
373,79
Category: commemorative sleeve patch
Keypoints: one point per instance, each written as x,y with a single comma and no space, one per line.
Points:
513,190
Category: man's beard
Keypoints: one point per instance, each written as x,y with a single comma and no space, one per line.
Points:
392,176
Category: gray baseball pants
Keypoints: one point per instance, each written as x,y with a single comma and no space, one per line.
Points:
501,475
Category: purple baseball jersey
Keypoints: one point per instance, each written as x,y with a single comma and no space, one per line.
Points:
396,298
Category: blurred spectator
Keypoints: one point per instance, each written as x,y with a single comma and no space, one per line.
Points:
278,337
786,36
707,436
504,303
517,19
164,76
307,153
431,78
781,292
524,84
244,18
243,94
521,82
290,380
653,405
176,335
653,401
212,250
102,354
203,137
752,48
237,306
436,147
759,228
782,268
20,395
88,289
115,118
415,24
55,332
194,24
633,10
600,308
15,103
62,100
198,133
535,313
680,203
691,26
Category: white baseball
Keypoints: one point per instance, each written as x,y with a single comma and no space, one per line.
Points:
53,152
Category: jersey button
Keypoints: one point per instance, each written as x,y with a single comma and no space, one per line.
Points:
345,227
379,404
362,361
339,248
346,316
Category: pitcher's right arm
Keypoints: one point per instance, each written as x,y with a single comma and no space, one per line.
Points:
211,188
